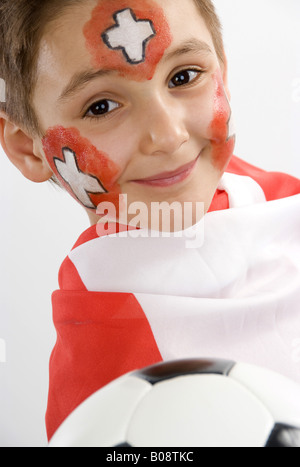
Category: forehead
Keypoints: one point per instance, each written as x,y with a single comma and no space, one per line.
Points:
64,49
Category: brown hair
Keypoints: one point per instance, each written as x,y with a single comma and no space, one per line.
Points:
213,23
22,23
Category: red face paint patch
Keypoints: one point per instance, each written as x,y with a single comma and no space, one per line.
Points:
223,137
129,36
86,173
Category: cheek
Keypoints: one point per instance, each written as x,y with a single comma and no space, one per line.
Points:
221,127
128,36
85,172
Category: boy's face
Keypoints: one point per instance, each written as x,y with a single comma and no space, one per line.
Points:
132,100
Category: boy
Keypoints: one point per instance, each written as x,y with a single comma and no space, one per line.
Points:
126,107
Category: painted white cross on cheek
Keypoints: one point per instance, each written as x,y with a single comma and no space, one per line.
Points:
80,183
231,127
130,35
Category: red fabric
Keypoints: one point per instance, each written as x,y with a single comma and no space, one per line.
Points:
69,278
100,336
275,185
219,202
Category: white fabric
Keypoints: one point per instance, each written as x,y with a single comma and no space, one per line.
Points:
241,190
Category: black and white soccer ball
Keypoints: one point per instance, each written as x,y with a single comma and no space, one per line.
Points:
188,403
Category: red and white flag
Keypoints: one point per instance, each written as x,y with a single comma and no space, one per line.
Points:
125,303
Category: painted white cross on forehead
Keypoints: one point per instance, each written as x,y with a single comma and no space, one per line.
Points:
129,35
80,183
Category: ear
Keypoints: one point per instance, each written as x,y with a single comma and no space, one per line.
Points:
224,68
23,151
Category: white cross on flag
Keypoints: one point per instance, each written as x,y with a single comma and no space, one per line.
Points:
80,183
129,35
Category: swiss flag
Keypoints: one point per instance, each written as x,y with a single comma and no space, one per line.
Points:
101,336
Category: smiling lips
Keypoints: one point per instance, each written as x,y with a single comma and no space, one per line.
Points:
166,179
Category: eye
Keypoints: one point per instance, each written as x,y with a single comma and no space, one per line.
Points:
101,108
184,77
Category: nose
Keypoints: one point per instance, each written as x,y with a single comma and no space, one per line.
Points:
164,130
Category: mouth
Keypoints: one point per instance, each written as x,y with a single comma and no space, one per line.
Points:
166,179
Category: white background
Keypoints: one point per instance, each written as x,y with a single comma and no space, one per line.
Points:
39,224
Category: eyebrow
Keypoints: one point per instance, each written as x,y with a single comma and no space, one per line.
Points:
192,45
78,81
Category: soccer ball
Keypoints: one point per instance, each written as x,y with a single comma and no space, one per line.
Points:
188,403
